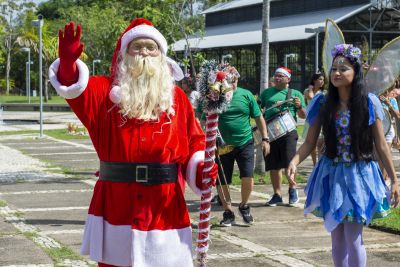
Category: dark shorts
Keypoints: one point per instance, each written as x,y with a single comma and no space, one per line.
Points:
282,151
244,156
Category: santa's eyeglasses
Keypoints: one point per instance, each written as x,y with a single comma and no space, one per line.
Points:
137,48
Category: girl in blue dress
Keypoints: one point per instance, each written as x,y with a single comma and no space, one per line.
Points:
346,187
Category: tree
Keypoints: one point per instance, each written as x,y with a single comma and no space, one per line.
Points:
10,12
210,3
188,24
264,70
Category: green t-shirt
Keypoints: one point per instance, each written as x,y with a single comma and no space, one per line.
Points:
234,123
271,96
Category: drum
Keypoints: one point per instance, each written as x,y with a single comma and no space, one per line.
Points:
256,135
386,122
280,125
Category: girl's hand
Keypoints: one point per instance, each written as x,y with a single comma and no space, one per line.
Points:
394,196
291,173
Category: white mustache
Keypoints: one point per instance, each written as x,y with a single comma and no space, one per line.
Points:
142,66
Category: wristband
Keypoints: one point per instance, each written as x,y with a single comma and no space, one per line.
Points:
266,139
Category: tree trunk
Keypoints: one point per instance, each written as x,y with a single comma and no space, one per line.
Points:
8,64
265,47
259,161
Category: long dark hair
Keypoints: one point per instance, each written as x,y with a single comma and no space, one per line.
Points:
315,77
360,132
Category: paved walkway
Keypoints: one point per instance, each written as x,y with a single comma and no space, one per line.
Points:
45,189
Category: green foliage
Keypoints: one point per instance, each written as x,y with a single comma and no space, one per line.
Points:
210,3
199,58
102,21
3,85
364,50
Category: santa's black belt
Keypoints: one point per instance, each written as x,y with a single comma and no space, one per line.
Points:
144,173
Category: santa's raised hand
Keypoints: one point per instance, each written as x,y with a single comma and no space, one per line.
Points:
69,50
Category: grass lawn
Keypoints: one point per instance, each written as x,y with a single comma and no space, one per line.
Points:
64,135
61,134
23,99
391,223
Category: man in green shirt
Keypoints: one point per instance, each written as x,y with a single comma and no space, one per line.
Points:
284,148
234,126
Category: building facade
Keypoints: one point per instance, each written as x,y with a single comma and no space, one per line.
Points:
233,33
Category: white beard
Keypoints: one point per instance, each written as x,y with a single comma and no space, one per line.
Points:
146,87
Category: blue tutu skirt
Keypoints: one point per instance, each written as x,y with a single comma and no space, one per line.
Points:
346,192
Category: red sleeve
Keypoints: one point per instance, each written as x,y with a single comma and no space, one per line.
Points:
89,104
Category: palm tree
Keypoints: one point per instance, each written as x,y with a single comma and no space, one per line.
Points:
28,38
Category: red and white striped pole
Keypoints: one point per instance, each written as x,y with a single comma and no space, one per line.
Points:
205,204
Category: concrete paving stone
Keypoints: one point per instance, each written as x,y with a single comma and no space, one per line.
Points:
71,240
60,184
220,246
373,236
67,155
27,176
322,259
283,229
57,221
51,148
383,258
256,261
19,250
50,200
6,228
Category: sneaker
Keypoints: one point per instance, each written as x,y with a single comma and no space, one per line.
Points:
275,200
245,212
228,218
293,196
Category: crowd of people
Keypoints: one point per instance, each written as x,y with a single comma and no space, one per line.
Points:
150,144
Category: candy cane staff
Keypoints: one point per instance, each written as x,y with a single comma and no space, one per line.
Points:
215,87
149,144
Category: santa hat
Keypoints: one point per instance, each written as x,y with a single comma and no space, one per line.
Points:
285,71
141,28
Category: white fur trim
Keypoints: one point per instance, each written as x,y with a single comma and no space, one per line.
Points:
121,246
115,94
144,31
191,171
283,71
74,90
177,72
167,248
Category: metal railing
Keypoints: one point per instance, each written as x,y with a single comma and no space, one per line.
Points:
395,4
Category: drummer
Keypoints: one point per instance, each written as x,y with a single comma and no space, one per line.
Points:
275,101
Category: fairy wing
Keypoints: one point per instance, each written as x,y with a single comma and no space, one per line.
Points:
333,36
385,69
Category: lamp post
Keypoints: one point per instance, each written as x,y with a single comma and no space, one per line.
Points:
94,62
316,31
39,23
28,73
286,58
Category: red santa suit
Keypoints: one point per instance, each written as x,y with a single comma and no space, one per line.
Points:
129,223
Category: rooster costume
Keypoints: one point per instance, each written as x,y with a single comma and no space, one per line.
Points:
140,222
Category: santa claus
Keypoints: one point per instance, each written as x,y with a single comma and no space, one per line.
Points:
149,144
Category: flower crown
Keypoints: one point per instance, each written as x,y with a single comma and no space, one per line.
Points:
349,51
